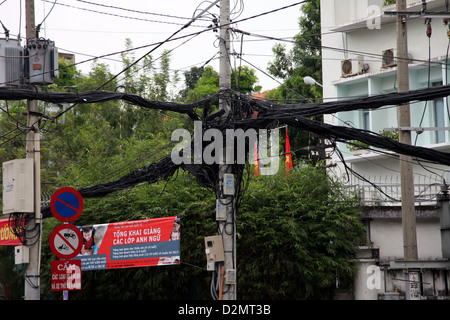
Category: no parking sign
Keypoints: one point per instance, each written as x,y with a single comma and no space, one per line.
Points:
66,204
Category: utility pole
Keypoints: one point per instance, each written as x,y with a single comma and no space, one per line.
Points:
404,121
227,227
33,221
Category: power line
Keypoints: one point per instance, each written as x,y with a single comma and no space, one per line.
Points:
38,27
269,116
149,52
356,52
293,114
135,11
303,110
273,78
171,38
117,15
104,56
270,11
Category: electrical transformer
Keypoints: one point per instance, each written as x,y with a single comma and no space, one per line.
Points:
42,62
11,63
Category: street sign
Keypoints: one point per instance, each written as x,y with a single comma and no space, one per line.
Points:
66,204
66,275
414,285
66,241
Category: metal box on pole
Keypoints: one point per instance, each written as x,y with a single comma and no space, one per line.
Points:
18,186
21,255
42,65
11,63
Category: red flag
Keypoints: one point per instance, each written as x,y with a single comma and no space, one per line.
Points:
255,152
288,156
256,159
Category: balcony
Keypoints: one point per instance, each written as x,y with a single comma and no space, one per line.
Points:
386,190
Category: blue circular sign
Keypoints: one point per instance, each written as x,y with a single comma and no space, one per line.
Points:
66,204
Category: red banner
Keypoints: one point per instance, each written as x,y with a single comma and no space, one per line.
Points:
129,244
7,238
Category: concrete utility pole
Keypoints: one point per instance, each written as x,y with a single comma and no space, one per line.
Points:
228,227
404,121
443,203
33,221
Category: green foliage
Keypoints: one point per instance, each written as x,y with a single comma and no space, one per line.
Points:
191,77
11,275
206,85
296,235
243,79
68,74
357,145
303,60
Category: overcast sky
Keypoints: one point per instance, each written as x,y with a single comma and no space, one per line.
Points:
91,28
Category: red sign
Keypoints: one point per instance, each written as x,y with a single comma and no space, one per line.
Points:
66,241
7,238
66,275
139,243
66,204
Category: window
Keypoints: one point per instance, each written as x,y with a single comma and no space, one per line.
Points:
366,120
439,116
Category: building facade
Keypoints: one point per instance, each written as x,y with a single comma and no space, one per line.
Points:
359,60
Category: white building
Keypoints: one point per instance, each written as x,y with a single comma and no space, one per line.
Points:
358,56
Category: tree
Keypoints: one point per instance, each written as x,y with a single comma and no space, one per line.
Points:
296,236
305,59
191,77
68,76
243,79
206,85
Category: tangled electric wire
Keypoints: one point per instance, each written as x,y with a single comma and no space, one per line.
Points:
270,116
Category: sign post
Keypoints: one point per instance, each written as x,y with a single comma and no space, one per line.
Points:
66,240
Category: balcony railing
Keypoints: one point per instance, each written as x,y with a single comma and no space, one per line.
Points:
386,190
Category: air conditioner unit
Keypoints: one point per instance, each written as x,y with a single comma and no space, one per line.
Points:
362,66
11,63
388,58
353,68
346,67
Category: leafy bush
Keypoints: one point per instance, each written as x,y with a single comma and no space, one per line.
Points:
295,236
